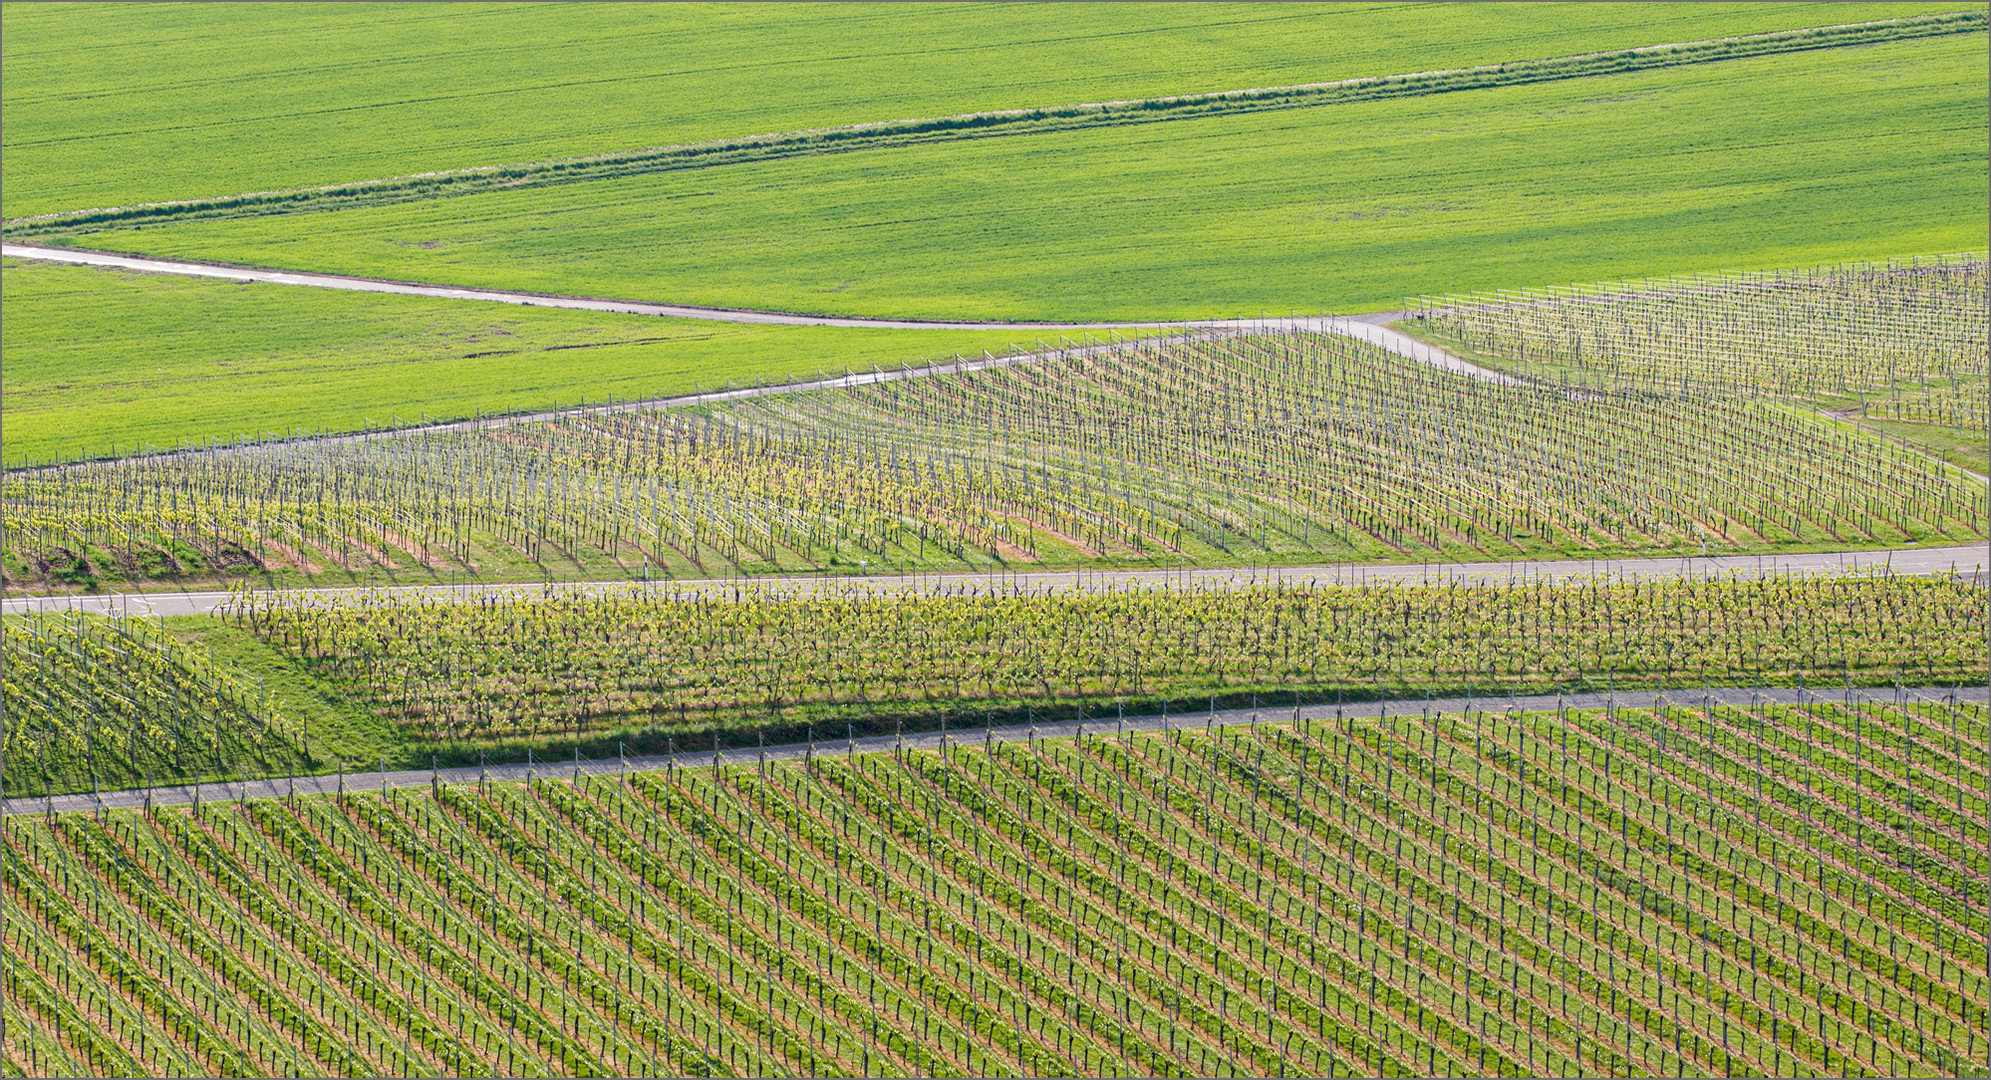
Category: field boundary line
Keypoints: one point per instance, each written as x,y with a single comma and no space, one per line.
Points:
361,781
997,123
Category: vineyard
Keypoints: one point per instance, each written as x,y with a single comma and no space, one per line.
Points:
537,666
107,703
1634,891
1904,338
1276,447
520,589
122,702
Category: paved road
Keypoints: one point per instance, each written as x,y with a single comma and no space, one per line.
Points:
1971,560
278,787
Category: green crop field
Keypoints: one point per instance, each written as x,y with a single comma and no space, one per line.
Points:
110,107
1857,152
1634,891
105,360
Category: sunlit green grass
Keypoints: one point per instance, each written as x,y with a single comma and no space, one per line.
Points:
114,105
98,360
1783,160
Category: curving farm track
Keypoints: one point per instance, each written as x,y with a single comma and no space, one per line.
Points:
1373,329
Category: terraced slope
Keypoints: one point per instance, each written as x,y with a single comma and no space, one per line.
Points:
1633,891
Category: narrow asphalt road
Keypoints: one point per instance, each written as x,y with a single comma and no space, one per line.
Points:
1269,711
1967,559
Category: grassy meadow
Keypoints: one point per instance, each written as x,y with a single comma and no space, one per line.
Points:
99,360
115,105
1806,157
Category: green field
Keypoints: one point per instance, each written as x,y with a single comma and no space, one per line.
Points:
113,106
1627,892
1842,152
1808,157
106,360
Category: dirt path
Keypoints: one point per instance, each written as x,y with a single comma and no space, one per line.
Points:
120,261
1964,559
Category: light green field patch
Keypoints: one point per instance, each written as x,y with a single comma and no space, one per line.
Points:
98,360
1786,160
109,106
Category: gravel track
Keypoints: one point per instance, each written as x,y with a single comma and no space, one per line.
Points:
1972,560
1371,331
1270,711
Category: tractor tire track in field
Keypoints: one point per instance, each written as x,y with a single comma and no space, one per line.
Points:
1971,561
1269,712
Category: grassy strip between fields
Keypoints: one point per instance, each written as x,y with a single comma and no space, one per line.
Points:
989,124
